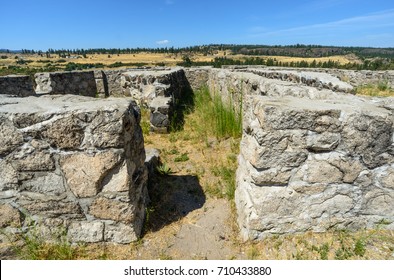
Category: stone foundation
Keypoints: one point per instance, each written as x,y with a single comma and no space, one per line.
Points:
73,163
308,165
312,157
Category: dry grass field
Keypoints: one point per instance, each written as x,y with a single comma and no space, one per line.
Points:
150,59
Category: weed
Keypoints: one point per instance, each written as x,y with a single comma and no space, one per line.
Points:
227,175
173,137
164,169
164,256
383,85
379,89
145,124
359,248
277,244
214,191
37,247
345,251
216,117
323,251
173,152
182,158
252,253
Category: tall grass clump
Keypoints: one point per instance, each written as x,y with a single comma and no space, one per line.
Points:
380,89
217,118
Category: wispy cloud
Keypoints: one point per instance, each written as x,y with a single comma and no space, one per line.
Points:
170,2
366,22
162,42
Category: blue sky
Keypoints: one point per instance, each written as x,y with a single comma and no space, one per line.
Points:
43,24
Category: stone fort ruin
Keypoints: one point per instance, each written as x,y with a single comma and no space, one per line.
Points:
312,157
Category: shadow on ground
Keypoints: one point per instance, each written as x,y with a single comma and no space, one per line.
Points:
172,198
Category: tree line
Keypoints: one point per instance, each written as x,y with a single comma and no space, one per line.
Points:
218,62
298,50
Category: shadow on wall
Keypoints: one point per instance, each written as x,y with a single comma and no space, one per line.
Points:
172,198
183,104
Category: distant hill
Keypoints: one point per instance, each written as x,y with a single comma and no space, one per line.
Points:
309,51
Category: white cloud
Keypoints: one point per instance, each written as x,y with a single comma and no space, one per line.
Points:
162,42
376,20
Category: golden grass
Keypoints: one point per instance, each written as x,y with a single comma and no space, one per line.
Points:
373,90
154,58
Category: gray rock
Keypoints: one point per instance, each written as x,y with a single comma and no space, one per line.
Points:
67,152
50,183
323,142
8,175
9,216
119,233
85,172
65,133
10,137
110,209
86,232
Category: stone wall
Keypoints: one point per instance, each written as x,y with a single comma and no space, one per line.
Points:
16,85
160,90
311,159
197,76
313,165
76,82
353,77
313,79
74,164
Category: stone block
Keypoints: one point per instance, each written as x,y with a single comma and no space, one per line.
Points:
9,216
111,209
90,232
84,172
119,233
16,85
10,137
